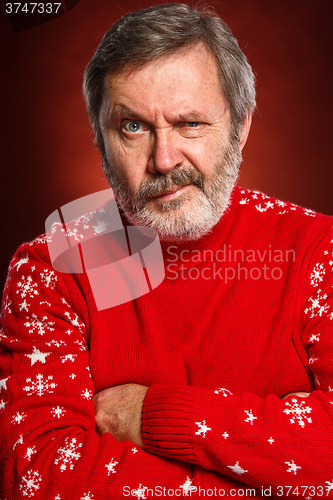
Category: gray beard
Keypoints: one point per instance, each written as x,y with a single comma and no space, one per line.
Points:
170,221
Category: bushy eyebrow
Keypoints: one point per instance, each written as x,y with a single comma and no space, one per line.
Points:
120,109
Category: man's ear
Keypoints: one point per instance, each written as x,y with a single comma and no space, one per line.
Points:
245,131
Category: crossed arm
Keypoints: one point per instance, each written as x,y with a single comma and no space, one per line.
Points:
118,411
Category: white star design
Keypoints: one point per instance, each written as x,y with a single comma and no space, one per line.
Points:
271,440
37,355
225,435
237,469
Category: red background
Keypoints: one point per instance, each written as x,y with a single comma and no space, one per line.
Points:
47,155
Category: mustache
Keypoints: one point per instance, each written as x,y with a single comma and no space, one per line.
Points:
179,177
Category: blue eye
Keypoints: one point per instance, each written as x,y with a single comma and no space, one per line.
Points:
193,124
132,127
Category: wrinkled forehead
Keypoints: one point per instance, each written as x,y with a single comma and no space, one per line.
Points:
186,76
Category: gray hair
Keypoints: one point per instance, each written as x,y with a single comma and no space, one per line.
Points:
145,35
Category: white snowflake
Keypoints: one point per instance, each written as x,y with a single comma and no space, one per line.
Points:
134,450
314,338
74,233
19,441
237,469
187,487
298,411
37,355
140,492
86,394
76,321
244,201
72,376
3,384
39,326
82,345
2,404
315,308
292,467
49,278
271,440
20,262
27,287
24,305
30,452
68,454
203,429
30,483
317,274
87,496
250,417
224,392
268,204
68,357
18,417
56,343
58,497
58,412
111,466
225,435
329,486
40,386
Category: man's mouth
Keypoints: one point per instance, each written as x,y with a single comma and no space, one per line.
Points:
171,193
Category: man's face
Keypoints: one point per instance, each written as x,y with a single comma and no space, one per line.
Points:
166,132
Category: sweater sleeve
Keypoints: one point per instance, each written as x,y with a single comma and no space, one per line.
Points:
49,448
284,445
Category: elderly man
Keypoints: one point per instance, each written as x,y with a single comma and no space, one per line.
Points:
215,383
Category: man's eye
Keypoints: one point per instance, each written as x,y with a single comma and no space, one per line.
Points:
193,124
132,127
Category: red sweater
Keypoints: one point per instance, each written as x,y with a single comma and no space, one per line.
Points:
243,317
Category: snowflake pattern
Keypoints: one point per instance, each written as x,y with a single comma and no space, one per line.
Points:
237,469
316,307
250,417
27,287
329,486
225,393
203,429
2,404
298,412
111,466
48,278
76,321
68,454
40,386
30,452
39,326
86,394
58,412
19,263
292,467
140,492
3,384
317,274
87,496
18,417
30,483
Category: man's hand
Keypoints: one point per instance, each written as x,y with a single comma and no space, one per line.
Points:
118,411
300,394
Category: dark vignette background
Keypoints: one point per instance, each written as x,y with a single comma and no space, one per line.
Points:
47,154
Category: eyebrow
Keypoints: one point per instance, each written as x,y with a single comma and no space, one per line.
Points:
121,109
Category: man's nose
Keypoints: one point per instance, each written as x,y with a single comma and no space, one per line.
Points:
165,155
